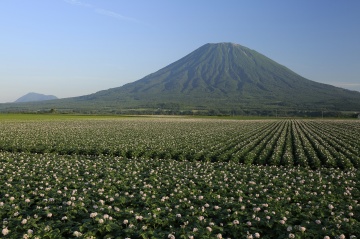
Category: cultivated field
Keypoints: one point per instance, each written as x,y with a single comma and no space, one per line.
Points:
178,177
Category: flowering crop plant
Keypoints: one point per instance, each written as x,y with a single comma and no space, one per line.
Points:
179,178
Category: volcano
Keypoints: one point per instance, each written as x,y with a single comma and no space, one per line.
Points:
228,75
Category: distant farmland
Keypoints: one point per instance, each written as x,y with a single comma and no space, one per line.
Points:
306,143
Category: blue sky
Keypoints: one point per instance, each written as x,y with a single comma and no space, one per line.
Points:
76,47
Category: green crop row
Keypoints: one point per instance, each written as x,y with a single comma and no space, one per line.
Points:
307,143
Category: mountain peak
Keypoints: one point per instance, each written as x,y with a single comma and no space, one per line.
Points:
225,44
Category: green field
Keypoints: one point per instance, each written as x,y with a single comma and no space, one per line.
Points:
69,176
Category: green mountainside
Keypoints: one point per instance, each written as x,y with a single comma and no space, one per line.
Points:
222,76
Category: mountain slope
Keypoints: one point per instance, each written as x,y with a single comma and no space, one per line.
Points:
228,75
31,97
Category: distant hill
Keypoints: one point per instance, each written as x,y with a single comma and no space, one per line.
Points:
31,97
224,77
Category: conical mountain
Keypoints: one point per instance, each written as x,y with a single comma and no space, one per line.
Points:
229,76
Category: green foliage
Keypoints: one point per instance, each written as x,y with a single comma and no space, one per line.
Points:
54,196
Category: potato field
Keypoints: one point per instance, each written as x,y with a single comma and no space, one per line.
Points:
179,177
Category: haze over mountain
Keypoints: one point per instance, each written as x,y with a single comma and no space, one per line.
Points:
221,76
31,97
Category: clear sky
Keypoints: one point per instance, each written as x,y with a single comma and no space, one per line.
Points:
76,47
